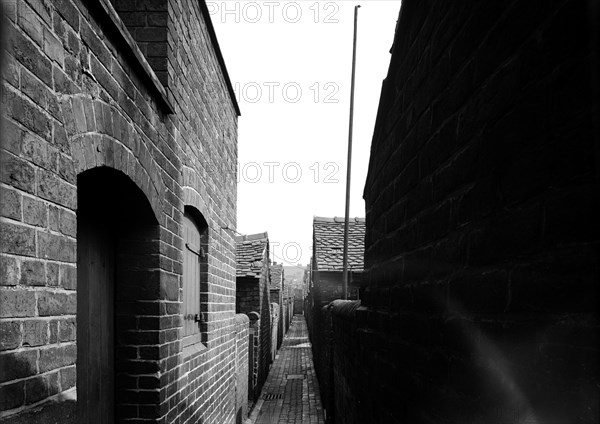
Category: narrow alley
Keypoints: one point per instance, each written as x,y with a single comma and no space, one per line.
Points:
427,255
291,392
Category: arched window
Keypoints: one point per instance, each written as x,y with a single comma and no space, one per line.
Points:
195,278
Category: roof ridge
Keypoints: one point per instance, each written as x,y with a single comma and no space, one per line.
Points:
337,219
252,237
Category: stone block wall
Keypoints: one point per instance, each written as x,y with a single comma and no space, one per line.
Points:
481,291
79,95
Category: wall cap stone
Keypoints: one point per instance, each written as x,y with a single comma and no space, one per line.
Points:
344,308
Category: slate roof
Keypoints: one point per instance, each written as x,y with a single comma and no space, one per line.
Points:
276,276
250,253
328,243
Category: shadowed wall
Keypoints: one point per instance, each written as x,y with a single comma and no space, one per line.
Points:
482,269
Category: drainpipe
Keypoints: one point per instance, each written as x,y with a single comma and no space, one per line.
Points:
348,173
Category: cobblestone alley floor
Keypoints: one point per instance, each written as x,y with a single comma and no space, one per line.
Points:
291,392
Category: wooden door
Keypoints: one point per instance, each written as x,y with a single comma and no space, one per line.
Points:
95,322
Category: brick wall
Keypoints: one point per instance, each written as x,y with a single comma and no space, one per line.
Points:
247,295
274,327
326,287
253,356
80,96
147,21
289,312
277,299
241,367
347,373
322,348
252,296
298,301
481,292
281,325
265,358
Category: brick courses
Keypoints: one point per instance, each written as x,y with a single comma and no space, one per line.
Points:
253,298
481,291
326,285
276,296
84,89
241,367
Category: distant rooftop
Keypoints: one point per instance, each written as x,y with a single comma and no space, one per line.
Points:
250,253
328,234
276,276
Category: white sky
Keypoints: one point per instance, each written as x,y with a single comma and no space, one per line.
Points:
289,63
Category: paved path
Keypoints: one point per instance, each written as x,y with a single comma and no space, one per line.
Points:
291,392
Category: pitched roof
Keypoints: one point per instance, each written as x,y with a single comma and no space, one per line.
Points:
276,276
250,254
328,243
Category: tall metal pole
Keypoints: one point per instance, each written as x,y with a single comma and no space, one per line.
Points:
348,173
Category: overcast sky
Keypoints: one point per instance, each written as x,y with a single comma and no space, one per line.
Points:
290,65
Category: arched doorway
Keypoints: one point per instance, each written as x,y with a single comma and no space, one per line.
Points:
117,283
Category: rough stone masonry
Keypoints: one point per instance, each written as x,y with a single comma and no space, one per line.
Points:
123,114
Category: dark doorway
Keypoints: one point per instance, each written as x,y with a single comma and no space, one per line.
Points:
117,283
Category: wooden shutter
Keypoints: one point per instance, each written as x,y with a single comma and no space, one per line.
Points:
191,276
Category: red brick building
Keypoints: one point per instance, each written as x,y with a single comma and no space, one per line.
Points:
325,284
328,252
119,139
276,293
253,298
482,199
288,304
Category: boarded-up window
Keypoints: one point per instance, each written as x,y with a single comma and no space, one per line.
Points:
195,277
